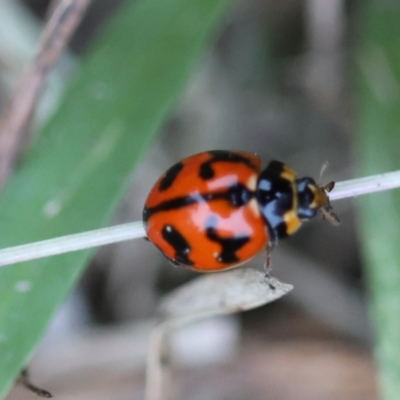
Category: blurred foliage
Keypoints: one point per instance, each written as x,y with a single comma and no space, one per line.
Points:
378,146
78,169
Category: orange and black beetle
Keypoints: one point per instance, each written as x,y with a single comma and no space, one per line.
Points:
216,209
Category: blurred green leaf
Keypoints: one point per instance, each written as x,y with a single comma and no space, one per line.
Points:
77,171
378,150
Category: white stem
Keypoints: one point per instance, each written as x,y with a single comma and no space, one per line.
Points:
66,244
369,184
120,233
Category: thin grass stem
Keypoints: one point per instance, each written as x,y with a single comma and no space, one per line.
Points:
74,242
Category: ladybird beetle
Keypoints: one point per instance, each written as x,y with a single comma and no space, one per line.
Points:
217,209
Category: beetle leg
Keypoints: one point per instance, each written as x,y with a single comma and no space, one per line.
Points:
268,262
268,266
176,263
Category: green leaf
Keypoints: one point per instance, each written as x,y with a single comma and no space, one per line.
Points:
78,169
378,150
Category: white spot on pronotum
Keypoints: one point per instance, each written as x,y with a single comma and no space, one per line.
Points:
23,286
168,228
52,208
264,185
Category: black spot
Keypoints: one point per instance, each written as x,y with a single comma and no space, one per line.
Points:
206,172
170,176
173,262
173,204
179,243
237,196
229,246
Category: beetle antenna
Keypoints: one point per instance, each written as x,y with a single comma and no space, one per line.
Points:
324,167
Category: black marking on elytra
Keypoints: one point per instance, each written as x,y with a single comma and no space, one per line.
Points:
145,216
170,176
229,245
182,248
237,195
206,172
173,262
173,204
